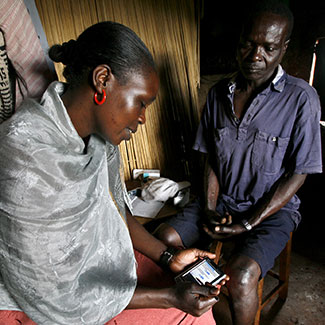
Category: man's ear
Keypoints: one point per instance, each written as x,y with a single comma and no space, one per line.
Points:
102,74
286,43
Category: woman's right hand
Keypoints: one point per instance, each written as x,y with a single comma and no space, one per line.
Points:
193,298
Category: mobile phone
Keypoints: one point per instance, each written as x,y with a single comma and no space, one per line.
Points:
201,272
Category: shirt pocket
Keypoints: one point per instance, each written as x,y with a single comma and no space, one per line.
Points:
223,144
268,152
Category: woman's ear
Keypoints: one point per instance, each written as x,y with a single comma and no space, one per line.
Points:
102,74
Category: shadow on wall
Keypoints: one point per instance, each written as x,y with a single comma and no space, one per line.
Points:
309,236
177,127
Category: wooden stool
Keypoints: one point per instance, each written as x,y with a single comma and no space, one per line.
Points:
281,289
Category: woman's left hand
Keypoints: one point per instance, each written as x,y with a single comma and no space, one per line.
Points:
186,257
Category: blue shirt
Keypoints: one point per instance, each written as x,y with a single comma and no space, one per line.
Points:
278,133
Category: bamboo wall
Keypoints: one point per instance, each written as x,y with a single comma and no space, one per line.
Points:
170,30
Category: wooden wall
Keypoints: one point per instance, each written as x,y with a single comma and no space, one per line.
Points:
170,30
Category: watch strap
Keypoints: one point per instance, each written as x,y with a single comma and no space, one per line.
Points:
167,255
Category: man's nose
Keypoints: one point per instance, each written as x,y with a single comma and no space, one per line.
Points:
256,54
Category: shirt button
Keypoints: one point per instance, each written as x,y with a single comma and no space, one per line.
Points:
274,139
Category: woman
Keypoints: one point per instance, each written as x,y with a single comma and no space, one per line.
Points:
66,237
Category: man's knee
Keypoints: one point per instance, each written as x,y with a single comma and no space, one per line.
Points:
244,275
168,235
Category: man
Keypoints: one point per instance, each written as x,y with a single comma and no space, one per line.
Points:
260,131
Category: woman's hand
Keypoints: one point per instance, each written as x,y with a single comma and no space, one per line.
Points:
189,297
193,298
186,257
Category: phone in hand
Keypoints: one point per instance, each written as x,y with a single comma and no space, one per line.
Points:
201,272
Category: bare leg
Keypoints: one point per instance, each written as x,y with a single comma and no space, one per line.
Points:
244,274
168,235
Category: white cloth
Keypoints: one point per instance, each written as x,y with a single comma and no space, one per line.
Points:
162,189
66,256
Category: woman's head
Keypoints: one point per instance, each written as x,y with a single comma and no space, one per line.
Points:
107,43
110,61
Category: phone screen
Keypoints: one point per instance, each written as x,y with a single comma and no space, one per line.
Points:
202,272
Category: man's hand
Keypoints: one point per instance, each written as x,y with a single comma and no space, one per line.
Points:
213,218
222,232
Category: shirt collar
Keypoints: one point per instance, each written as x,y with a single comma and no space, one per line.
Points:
278,82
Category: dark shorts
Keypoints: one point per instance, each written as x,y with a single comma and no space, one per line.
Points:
263,243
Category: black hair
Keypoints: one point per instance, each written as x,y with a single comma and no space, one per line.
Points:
108,43
275,7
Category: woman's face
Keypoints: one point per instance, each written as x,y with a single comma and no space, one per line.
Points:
125,107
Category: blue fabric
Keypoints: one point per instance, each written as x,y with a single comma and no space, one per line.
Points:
278,133
263,243
266,241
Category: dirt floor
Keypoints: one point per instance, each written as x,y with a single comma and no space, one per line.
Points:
305,304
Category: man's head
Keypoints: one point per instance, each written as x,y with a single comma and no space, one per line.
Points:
264,41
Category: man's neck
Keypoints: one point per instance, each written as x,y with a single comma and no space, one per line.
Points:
254,86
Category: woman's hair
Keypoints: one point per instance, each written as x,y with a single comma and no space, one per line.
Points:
108,43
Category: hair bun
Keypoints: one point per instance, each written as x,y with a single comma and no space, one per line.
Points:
64,53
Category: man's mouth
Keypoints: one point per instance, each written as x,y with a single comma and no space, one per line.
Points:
251,68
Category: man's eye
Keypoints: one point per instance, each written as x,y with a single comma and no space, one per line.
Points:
269,48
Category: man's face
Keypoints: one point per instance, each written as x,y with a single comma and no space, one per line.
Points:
262,46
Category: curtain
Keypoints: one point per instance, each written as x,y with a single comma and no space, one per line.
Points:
169,28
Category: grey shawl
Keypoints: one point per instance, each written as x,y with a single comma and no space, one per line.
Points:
66,256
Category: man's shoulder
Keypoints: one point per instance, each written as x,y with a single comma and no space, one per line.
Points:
306,93
300,85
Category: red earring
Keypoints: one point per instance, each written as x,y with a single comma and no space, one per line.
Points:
102,101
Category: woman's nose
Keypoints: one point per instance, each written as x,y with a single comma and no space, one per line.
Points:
142,116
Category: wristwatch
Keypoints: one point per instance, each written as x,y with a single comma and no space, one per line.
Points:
246,224
167,255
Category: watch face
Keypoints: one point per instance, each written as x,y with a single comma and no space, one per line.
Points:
246,224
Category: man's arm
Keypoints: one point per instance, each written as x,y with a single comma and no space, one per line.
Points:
211,187
272,202
279,196
211,192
